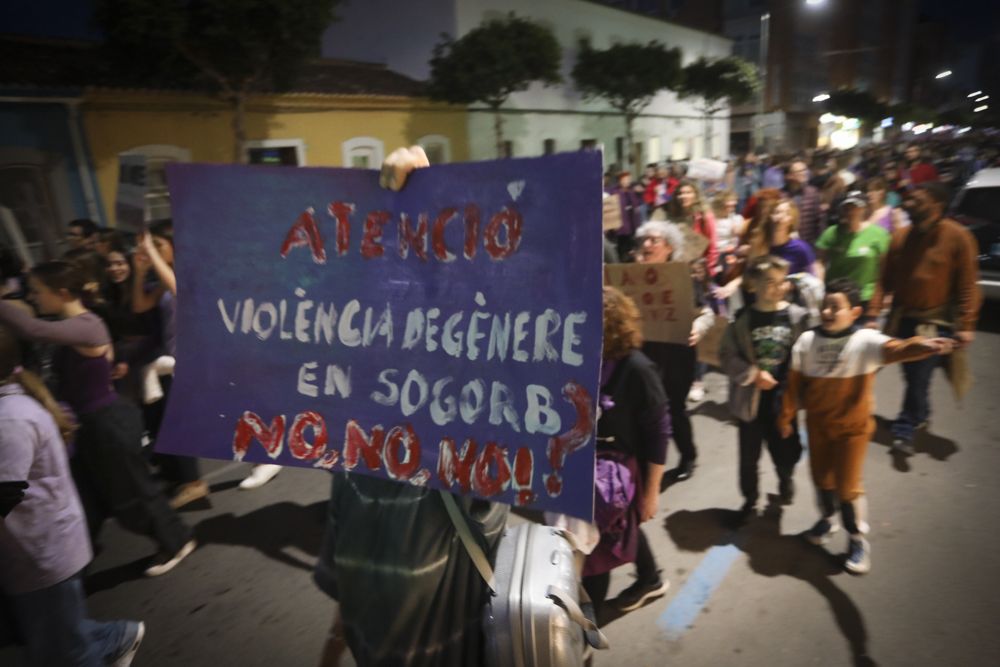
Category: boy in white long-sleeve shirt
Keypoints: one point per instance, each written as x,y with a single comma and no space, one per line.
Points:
832,377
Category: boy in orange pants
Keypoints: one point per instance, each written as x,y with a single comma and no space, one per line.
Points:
832,374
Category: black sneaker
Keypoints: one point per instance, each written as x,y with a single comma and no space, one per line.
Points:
901,446
163,563
786,489
685,470
747,511
639,593
821,532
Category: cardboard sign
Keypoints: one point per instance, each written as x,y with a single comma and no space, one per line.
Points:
704,169
448,335
695,245
664,295
130,202
708,346
612,213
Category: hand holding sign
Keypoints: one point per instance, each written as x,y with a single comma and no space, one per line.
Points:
399,164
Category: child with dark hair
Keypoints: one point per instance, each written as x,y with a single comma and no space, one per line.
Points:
43,534
110,471
832,376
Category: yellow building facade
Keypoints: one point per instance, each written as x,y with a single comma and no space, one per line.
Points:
304,129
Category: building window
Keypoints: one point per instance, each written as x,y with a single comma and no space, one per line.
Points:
28,223
437,147
281,152
549,147
653,150
588,145
363,153
152,181
620,151
679,149
508,149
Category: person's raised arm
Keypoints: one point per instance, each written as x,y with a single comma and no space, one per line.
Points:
73,331
142,301
163,270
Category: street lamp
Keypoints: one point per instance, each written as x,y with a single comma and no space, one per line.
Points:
982,108
978,92
822,97
943,74
983,98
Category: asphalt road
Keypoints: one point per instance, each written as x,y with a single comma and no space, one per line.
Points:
753,596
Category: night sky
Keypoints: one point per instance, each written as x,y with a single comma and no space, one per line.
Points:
972,20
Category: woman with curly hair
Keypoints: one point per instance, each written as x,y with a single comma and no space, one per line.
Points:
632,434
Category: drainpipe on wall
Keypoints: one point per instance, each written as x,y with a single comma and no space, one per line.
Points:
82,162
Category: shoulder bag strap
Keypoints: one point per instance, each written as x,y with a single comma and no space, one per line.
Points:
475,552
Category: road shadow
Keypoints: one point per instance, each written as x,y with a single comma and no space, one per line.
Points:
713,410
271,530
114,576
772,554
989,318
219,487
924,442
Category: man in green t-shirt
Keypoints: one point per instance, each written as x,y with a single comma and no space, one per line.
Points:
851,250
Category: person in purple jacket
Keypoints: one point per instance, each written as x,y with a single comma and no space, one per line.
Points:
43,534
779,233
632,214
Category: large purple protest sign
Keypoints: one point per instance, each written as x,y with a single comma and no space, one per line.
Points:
448,335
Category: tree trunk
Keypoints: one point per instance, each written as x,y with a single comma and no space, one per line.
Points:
498,130
239,101
630,159
708,134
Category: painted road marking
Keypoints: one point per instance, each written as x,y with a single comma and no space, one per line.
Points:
684,608
682,611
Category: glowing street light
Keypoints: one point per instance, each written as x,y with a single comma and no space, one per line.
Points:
943,74
983,98
975,94
815,3
822,97
982,108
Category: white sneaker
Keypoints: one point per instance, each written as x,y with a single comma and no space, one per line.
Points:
260,475
697,392
125,659
163,563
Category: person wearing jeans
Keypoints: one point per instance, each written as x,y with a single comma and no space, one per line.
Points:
916,410
931,271
43,538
